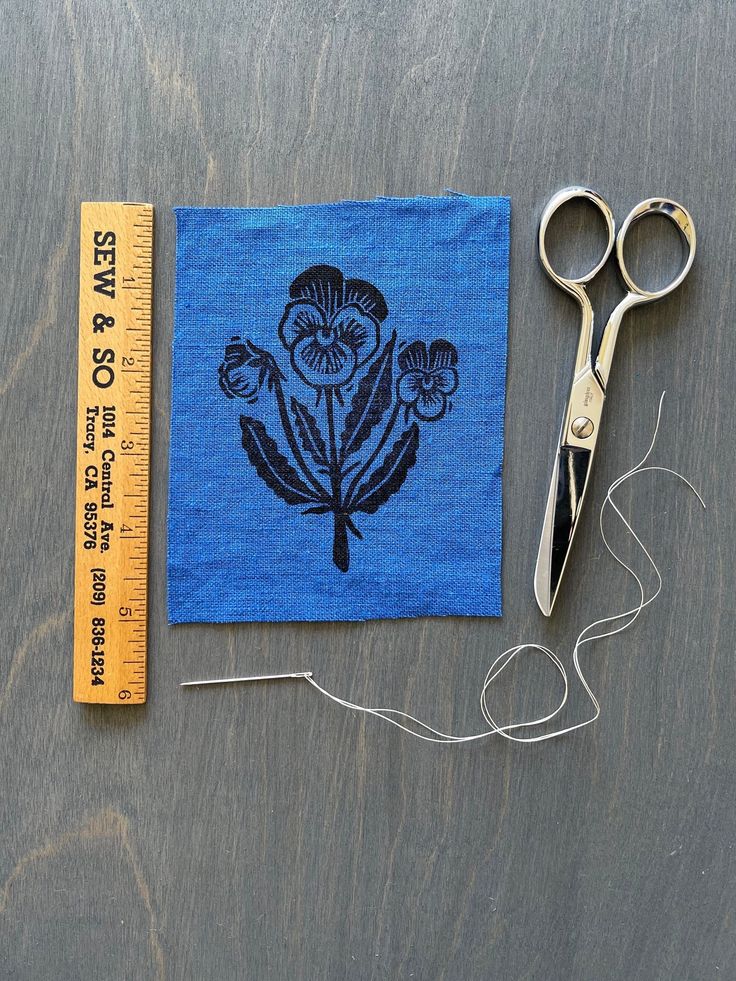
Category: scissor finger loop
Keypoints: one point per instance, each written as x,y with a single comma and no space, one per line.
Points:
682,221
568,283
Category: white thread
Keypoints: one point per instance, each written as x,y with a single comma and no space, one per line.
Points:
584,637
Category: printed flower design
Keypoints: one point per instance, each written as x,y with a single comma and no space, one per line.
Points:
244,370
427,378
332,325
329,458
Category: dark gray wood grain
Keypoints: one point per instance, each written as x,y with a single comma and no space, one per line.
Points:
266,833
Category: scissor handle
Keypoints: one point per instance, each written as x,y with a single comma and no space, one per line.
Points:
637,294
569,283
575,286
683,222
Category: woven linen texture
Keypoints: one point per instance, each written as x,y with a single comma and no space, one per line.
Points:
338,399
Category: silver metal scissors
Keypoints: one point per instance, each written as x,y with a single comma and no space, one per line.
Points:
581,421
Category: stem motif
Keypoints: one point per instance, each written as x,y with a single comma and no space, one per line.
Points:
340,547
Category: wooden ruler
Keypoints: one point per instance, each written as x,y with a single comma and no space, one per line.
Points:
113,439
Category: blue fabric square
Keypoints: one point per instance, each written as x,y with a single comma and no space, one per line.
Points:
337,414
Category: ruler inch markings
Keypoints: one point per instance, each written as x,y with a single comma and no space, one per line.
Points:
113,452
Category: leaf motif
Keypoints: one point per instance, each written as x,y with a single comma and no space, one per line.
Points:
272,466
388,478
309,434
370,401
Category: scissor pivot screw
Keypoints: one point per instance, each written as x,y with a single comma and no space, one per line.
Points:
582,427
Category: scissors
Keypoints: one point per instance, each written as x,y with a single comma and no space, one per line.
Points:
581,421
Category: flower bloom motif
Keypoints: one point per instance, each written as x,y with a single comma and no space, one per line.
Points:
331,326
427,378
244,370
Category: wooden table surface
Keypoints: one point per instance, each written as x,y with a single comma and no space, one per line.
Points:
266,833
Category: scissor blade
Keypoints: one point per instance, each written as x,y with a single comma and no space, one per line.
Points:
565,498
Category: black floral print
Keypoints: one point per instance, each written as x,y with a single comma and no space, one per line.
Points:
245,369
427,378
332,325
331,328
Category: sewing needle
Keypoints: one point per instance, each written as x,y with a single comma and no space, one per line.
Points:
255,677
